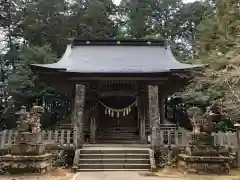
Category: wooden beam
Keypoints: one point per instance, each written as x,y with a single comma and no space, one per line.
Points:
117,78
117,93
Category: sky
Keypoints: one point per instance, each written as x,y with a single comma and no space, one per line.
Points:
118,1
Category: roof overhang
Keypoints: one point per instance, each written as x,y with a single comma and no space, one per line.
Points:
116,57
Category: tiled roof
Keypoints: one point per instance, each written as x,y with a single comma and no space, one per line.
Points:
121,57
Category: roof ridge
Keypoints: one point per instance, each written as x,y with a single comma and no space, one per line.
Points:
118,42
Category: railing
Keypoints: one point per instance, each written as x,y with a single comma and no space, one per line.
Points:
169,136
225,139
164,136
61,137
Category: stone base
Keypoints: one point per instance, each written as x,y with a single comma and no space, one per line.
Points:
29,164
28,149
201,139
203,164
207,150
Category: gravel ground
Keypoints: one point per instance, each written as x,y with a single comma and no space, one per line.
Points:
57,174
119,175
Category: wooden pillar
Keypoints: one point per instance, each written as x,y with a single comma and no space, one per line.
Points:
79,104
93,130
96,114
93,126
72,106
142,119
145,106
153,105
139,115
161,108
237,126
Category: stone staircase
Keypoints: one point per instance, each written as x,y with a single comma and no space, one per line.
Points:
112,159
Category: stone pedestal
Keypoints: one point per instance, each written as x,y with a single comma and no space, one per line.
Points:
26,163
26,156
202,156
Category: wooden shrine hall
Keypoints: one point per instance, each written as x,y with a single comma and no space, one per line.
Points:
118,87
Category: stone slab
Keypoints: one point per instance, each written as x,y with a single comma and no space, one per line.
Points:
16,158
27,149
207,150
13,167
16,164
210,159
203,164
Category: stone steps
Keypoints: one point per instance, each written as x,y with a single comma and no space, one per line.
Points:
118,133
135,145
112,159
120,141
89,170
113,156
121,151
118,137
114,166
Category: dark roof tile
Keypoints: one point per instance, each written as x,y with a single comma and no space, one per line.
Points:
117,59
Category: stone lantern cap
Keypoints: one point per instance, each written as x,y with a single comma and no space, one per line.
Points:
237,126
23,108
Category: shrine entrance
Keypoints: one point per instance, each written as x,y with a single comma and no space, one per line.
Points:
104,77
118,120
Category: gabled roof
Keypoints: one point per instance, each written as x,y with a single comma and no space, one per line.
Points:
112,56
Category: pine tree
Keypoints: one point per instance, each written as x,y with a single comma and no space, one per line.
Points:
220,48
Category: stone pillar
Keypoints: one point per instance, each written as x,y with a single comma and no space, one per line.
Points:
153,105
154,137
237,126
79,104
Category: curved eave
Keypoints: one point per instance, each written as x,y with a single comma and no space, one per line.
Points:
118,59
37,68
107,58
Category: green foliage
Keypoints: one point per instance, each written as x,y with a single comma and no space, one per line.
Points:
219,46
22,84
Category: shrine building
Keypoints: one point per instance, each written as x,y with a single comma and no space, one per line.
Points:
118,87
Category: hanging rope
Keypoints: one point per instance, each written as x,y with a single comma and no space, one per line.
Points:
112,111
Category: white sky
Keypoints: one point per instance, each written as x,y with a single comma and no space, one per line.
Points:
118,1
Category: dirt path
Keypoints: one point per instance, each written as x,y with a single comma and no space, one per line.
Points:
57,174
163,174
126,175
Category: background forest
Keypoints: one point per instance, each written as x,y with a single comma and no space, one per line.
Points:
37,31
